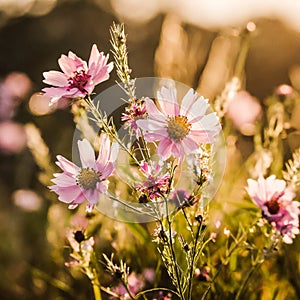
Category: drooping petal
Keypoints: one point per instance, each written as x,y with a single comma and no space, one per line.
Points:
66,194
87,154
63,180
104,151
66,165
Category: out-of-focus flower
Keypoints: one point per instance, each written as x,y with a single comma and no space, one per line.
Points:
76,184
135,284
28,200
161,296
203,275
135,111
17,84
276,202
157,182
284,90
14,87
78,78
82,249
12,137
244,110
179,129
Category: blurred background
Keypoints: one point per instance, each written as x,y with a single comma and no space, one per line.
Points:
195,42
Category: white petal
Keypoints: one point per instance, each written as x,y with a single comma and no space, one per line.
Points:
87,154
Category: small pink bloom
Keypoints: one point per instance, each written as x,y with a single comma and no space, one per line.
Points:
12,137
276,202
244,110
76,184
135,111
157,182
78,78
179,129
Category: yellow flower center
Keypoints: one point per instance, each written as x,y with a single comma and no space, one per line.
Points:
178,128
88,178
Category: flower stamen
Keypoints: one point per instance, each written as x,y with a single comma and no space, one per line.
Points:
79,80
88,178
178,128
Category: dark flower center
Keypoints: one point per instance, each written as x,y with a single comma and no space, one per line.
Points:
178,128
88,178
79,81
79,236
273,206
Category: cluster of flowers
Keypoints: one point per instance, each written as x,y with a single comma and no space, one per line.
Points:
180,129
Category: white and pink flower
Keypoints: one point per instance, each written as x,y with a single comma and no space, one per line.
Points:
77,78
77,184
178,128
275,200
157,182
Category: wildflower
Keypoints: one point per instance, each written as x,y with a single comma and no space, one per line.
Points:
179,129
135,111
203,275
76,184
82,249
157,182
276,202
78,78
244,110
135,284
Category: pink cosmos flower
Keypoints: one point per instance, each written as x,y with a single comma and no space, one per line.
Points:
276,202
157,182
179,129
78,78
76,184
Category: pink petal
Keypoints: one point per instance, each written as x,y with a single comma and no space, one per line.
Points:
94,56
91,196
106,170
150,125
202,136
198,109
164,148
187,102
67,65
104,151
63,180
167,99
66,165
153,111
87,154
102,187
55,78
66,194
178,151
189,145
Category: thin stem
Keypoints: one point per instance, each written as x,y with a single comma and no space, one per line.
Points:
173,252
98,116
247,279
156,289
190,285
